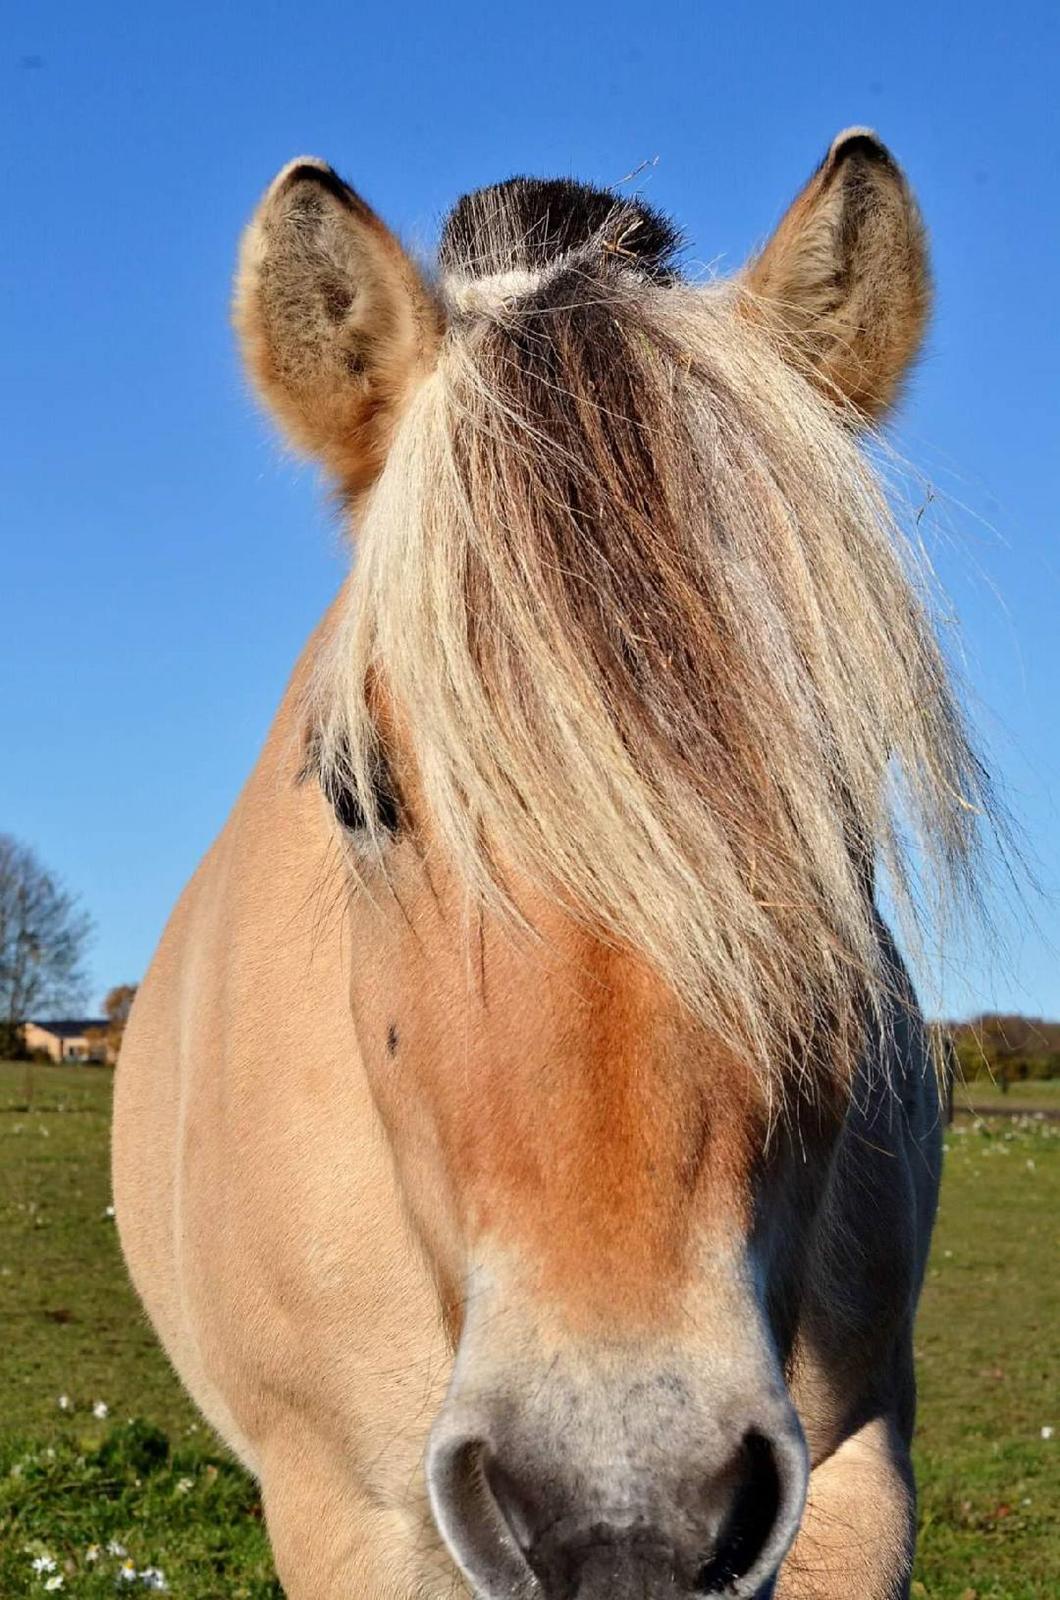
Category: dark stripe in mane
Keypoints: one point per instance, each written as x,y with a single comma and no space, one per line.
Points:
529,223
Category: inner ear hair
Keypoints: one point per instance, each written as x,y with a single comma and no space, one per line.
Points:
336,322
844,281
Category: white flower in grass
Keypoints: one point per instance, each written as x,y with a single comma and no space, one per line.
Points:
108,1212
56,1582
127,1572
101,1409
153,1578
116,1549
93,1553
1047,1432
43,1564
185,1485
65,1403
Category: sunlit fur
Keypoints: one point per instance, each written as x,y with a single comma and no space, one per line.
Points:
659,645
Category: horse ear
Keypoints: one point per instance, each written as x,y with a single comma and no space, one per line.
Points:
336,323
845,280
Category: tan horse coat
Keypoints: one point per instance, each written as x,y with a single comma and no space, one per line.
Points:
264,1229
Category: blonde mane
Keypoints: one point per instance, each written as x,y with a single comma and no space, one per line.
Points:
656,640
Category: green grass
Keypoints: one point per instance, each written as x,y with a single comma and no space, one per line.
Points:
1037,1092
160,1487
163,1489
987,1363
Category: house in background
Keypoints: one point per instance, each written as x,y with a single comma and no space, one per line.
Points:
71,1039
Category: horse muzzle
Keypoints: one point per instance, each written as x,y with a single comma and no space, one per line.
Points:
631,1486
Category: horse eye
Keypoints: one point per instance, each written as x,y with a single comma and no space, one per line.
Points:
347,806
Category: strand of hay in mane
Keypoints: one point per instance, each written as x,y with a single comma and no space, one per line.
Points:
659,648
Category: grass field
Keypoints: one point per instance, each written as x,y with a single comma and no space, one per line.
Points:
1040,1093
74,1485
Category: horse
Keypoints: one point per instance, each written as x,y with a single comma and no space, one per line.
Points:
526,1140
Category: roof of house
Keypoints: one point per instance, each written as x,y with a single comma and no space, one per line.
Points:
70,1027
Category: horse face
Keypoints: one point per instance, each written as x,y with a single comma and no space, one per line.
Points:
591,1177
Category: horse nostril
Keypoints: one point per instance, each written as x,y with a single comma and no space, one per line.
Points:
765,1508
477,1528
517,1503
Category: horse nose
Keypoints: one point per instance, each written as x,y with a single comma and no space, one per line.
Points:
527,1531
725,1532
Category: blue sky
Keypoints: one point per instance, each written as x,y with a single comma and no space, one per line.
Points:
163,560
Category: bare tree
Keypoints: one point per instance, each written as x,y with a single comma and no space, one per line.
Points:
43,935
